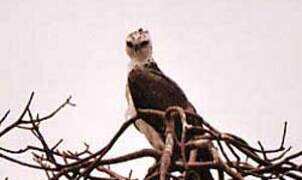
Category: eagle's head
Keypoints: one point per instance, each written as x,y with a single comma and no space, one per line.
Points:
138,46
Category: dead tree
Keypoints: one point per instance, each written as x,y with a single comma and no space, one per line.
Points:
232,156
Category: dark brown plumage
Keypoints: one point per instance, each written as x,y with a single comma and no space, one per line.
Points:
151,89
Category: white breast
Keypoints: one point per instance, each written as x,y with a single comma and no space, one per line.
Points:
152,136
131,111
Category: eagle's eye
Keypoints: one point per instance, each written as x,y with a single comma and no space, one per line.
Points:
144,43
129,44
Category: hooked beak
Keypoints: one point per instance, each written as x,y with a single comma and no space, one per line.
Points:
136,47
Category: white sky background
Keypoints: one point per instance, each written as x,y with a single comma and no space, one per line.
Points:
239,62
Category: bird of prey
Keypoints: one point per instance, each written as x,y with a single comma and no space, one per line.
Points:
149,88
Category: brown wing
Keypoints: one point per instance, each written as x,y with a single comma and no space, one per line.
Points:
152,89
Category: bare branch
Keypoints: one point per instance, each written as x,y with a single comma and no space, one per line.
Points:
178,155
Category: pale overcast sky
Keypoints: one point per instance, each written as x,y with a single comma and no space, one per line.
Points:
239,62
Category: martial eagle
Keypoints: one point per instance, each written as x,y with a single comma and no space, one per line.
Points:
149,88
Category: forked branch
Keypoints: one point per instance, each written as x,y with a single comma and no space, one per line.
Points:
231,155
